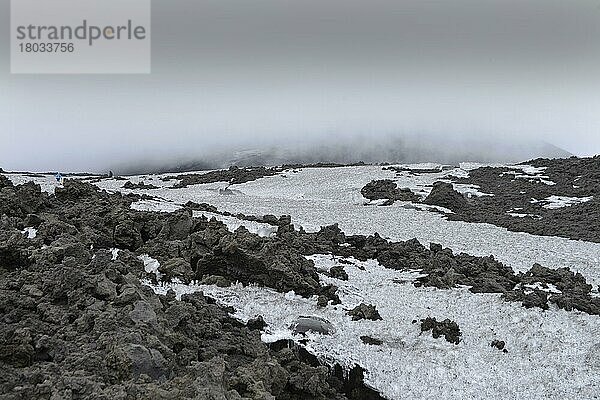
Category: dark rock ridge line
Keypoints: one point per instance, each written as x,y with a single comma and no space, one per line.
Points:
418,171
76,323
233,175
572,177
283,220
141,185
237,175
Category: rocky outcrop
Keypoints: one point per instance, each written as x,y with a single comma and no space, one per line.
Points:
561,286
500,345
371,341
444,195
387,189
364,311
338,272
447,328
140,185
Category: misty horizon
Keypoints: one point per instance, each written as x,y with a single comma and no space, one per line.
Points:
229,76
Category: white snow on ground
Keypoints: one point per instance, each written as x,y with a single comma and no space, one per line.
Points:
151,265
554,202
517,212
155,205
47,182
470,190
30,232
469,166
531,170
550,288
377,202
552,354
233,223
151,179
422,166
531,173
521,215
422,184
115,253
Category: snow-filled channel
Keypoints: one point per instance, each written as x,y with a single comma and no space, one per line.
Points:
233,223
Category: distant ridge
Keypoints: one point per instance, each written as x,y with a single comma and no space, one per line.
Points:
412,149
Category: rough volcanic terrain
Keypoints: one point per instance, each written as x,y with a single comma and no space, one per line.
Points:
101,298
554,198
77,322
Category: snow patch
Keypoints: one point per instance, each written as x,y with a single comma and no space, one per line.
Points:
470,190
549,288
377,202
30,232
115,253
554,202
530,173
155,205
233,223
151,265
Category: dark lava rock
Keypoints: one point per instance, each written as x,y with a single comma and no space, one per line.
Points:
444,195
326,294
264,263
364,311
418,171
201,207
499,344
529,299
257,323
176,268
233,175
449,329
351,382
371,341
571,177
4,181
338,272
435,247
574,293
387,189
141,185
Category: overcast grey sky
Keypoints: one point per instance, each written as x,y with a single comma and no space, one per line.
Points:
260,71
